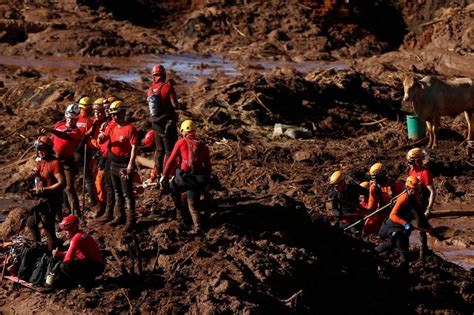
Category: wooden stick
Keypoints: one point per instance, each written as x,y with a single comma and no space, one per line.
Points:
451,213
261,103
373,122
128,300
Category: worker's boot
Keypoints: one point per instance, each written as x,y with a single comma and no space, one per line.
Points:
109,213
131,220
178,205
424,247
386,245
101,210
192,205
119,214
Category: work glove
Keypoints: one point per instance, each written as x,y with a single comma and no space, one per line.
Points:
407,226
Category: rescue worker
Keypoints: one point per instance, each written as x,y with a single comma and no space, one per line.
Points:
83,261
123,139
84,124
397,227
345,199
107,101
66,138
97,170
162,104
364,198
193,173
382,190
49,184
415,158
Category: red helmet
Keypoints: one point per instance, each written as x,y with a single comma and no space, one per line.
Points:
158,70
69,223
149,139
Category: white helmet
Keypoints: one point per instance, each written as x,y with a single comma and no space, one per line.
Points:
72,111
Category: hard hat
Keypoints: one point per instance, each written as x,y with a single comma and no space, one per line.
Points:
69,223
43,142
336,178
416,153
187,126
149,139
158,70
116,107
412,182
365,185
85,102
98,104
376,169
72,111
109,100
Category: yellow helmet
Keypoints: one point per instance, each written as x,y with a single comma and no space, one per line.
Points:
412,182
336,178
365,185
98,104
376,169
187,126
116,107
416,153
85,102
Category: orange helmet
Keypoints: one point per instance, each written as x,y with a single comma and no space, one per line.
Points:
412,182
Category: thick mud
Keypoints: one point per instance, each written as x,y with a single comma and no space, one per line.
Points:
240,67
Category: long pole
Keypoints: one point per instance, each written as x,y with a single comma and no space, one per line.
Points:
375,212
84,180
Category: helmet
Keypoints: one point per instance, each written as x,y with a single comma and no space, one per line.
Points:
149,139
376,169
416,153
70,222
365,185
43,142
412,182
336,178
187,126
85,102
98,104
116,107
158,70
72,111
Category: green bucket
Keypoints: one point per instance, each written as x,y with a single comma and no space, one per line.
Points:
416,127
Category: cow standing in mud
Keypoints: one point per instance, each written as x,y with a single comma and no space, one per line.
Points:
432,98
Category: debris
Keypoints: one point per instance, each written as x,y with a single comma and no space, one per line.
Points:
293,132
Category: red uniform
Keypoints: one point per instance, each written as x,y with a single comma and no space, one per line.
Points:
165,92
84,123
65,147
121,139
47,170
194,156
82,246
423,174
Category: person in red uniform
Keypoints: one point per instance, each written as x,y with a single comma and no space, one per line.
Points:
415,158
49,184
364,197
66,138
83,261
123,139
162,104
397,227
382,190
85,123
194,170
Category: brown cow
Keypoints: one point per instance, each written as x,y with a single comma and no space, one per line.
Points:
432,98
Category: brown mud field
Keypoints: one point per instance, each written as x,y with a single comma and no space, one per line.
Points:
334,68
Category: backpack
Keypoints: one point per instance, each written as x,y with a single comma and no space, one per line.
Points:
38,275
29,258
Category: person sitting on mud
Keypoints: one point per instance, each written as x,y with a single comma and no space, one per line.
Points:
193,173
162,103
66,138
123,139
345,200
83,261
415,158
396,228
49,184
382,190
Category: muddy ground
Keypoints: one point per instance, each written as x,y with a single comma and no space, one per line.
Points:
270,247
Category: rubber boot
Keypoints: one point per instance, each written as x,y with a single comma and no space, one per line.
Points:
90,192
424,247
386,245
131,219
119,216
192,206
179,208
101,210
109,213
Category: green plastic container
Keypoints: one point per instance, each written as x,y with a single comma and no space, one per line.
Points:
416,127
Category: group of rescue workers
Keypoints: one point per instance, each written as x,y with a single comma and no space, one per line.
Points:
96,138
361,208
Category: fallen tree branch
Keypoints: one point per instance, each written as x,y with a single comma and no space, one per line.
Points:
128,300
373,122
451,213
261,103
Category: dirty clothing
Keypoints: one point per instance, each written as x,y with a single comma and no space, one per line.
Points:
406,209
346,202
